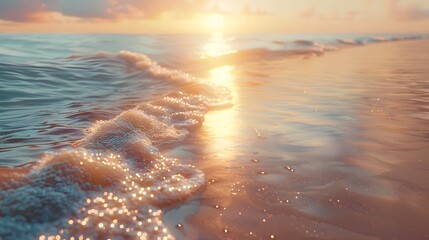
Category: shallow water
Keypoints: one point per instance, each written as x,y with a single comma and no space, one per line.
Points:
340,153
327,147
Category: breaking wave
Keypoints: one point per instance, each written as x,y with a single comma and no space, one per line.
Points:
115,183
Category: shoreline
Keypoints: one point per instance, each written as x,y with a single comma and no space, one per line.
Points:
210,225
322,147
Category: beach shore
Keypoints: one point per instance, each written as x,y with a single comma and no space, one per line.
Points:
330,147
321,138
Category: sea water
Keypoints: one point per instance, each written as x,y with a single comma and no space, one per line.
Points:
101,135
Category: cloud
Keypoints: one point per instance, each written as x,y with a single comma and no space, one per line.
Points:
36,10
407,12
333,15
248,10
20,10
84,8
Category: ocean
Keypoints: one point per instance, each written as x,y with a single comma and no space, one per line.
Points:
213,137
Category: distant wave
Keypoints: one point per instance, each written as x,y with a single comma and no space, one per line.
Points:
298,48
261,54
305,43
349,41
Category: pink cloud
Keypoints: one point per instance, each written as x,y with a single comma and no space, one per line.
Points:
407,12
35,10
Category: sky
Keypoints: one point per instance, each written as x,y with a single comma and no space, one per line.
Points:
202,16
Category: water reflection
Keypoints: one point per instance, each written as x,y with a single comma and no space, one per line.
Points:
216,46
217,141
223,76
221,125
352,130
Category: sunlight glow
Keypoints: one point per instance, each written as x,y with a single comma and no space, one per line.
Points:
221,125
222,76
217,21
217,46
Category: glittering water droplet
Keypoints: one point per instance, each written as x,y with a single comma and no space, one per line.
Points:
289,168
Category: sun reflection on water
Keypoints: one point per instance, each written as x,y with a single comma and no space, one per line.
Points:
216,46
220,131
223,76
221,125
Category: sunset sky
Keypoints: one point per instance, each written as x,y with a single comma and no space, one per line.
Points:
201,16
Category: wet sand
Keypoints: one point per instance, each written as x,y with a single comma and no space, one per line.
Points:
331,147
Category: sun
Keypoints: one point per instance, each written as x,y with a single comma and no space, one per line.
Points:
217,20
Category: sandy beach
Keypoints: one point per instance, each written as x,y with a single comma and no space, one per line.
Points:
340,153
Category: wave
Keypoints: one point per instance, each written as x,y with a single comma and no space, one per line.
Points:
305,43
116,182
257,55
298,48
137,61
